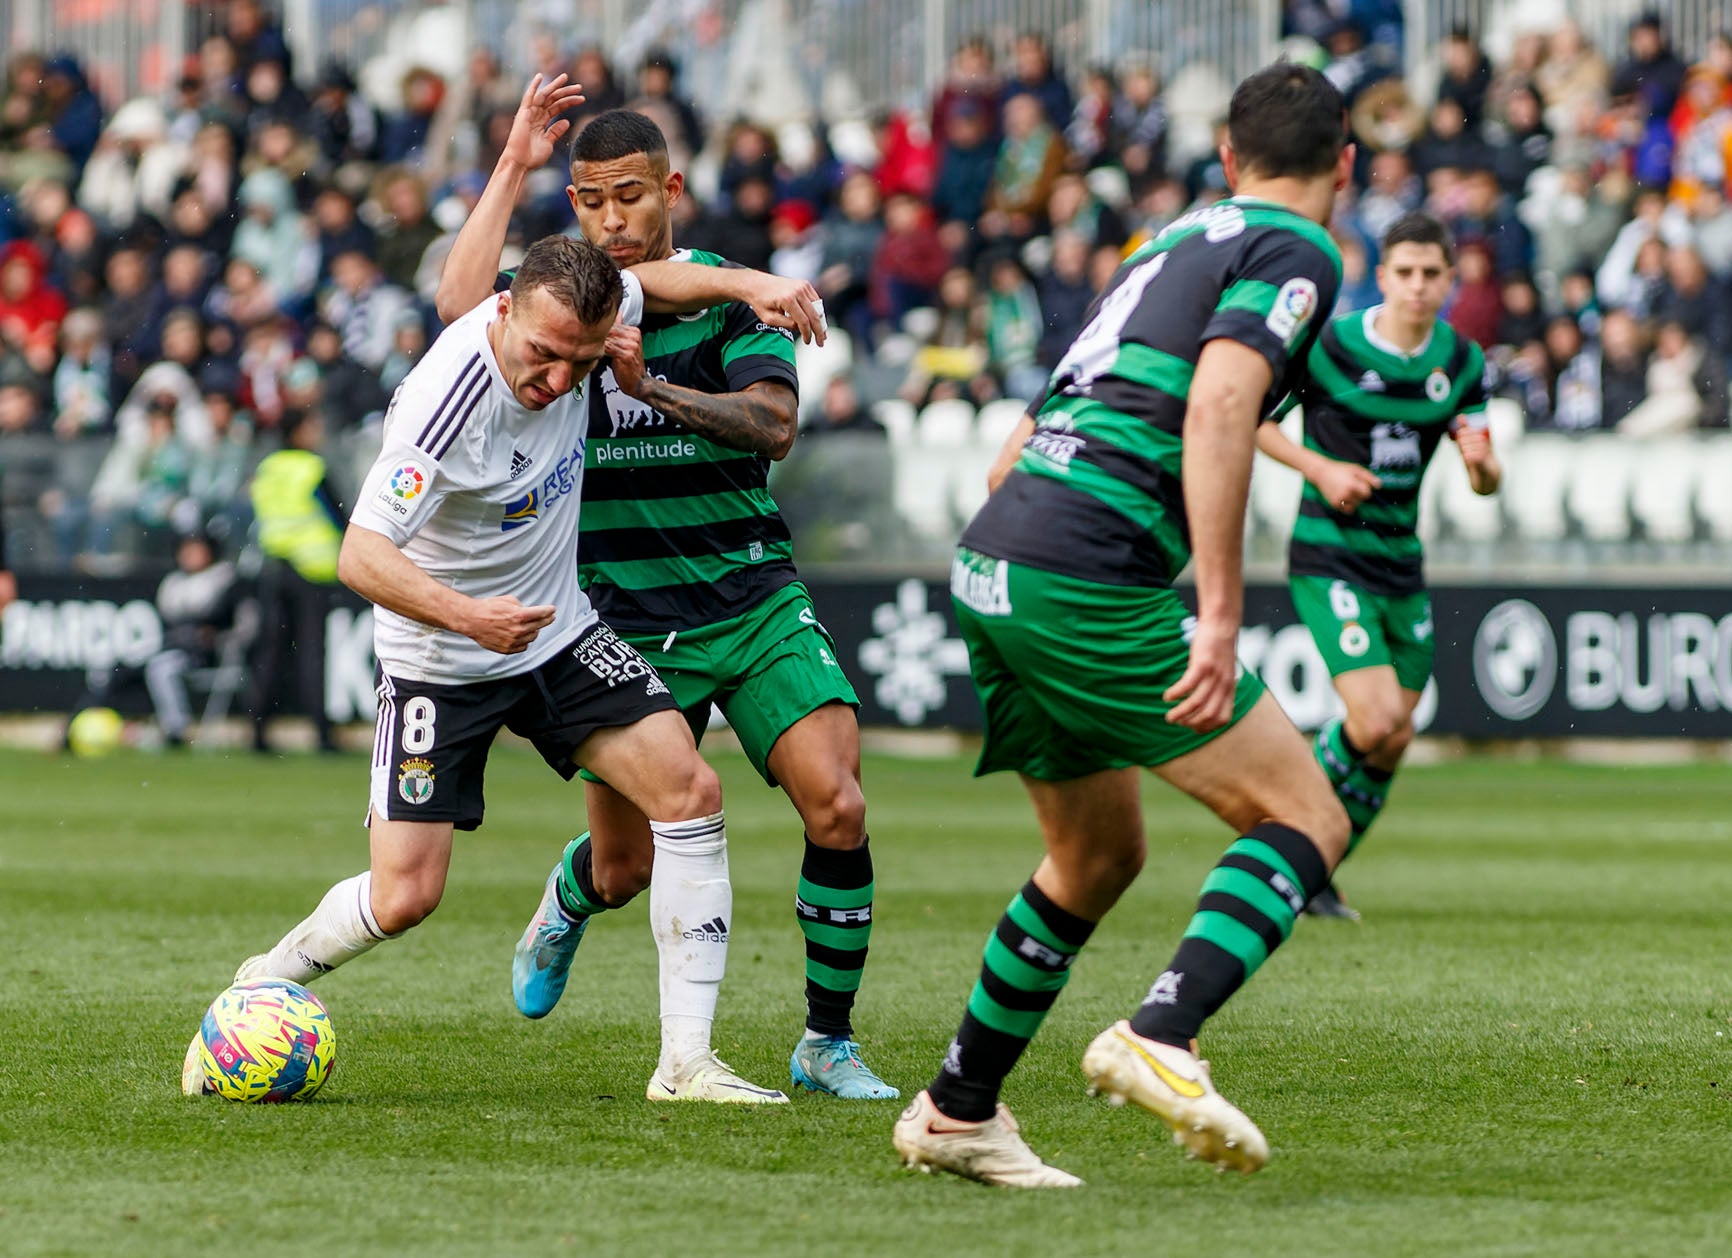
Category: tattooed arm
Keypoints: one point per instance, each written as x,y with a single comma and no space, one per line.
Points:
761,418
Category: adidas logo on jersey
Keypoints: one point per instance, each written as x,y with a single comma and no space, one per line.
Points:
713,931
1371,382
519,463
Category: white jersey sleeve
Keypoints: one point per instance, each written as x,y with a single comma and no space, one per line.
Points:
631,305
422,459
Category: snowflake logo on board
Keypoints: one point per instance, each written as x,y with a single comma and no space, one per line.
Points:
913,655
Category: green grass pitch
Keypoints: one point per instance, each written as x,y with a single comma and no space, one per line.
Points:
1524,1049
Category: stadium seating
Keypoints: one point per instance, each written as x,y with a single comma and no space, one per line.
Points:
1714,489
1663,489
1598,493
1536,474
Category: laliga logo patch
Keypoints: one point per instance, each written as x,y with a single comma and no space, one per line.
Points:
415,781
1293,308
402,488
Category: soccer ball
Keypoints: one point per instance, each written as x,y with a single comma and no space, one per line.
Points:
267,1040
95,732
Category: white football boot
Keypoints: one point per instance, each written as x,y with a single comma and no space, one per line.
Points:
1174,1086
992,1151
706,1078
254,967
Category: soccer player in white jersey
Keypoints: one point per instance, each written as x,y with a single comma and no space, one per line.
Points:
463,538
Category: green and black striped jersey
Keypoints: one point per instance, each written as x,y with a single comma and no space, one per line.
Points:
676,530
1368,403
1097,492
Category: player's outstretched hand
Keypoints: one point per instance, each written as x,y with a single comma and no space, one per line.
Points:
505,625
538,126
1345,485
787,303
624,349
1474,443
1203,697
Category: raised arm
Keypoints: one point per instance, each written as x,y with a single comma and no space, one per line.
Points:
473,263
1220,437
676,287
1343,485
371,565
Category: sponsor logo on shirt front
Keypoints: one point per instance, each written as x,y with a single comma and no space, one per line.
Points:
520,511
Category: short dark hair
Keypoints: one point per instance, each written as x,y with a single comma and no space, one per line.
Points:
1287,120
618,133
575,273
1419,228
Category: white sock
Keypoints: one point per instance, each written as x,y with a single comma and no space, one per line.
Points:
339,930
691,905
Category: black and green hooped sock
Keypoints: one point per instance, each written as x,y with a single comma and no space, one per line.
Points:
1027,963
576,884
834,907
1245,912
1363,795
1338,756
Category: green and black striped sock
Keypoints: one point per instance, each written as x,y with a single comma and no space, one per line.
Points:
1335,753
576,884
1245,912
1028,960
1363,794
834,906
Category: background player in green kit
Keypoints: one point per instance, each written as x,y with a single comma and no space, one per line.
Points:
1089,667
684,547
1384,387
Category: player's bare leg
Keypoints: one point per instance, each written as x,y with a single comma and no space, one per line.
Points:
1360,757
403,885
1093,831
1260,778
817,761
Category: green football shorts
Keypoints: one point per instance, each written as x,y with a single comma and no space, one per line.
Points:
765,669
1070,673
1354,628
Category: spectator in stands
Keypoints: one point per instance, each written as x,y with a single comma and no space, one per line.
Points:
408,344
601,91
407,128
242,297
1466,76
851,237
1073,207
1485,216
1385,119
1140,123
274,99
1702,127
74,115
21,400
1091,134
908,155
1449,142
1579,302
267,355
1523,320
339,228
274,238
220,470
1711,224
1688,295
131,312
1682,379
909,263
1030,160
750,154
952,360
1523,141
1065,291
343,123
1651,72
742,232
796,246
1392,191
965,171
363,306
404,225
186,277
254,39
1623,366
30,310
972,78
83,380
1573,78
23,110
658,94
1477,309
840,413
1574,219
1013,325
1359,289
134,168
1036,76
300,532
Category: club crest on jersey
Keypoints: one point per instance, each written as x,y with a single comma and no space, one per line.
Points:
400,490
1294,305
1437,385
415,780
521,511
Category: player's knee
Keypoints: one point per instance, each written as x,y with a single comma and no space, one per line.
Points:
1106,868
1377,725
399,903
1323,820
690,790
837,820
618,881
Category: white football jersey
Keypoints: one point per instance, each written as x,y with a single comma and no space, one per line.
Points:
482,495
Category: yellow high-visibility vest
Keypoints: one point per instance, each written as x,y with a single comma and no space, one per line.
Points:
294,525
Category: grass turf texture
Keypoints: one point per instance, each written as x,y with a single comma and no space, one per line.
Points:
1522,1051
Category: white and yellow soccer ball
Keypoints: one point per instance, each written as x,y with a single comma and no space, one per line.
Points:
95,732
267,1040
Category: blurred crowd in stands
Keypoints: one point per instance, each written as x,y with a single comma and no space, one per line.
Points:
183,278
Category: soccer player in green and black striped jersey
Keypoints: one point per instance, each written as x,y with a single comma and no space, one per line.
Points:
683,551
1090,668
1385,386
